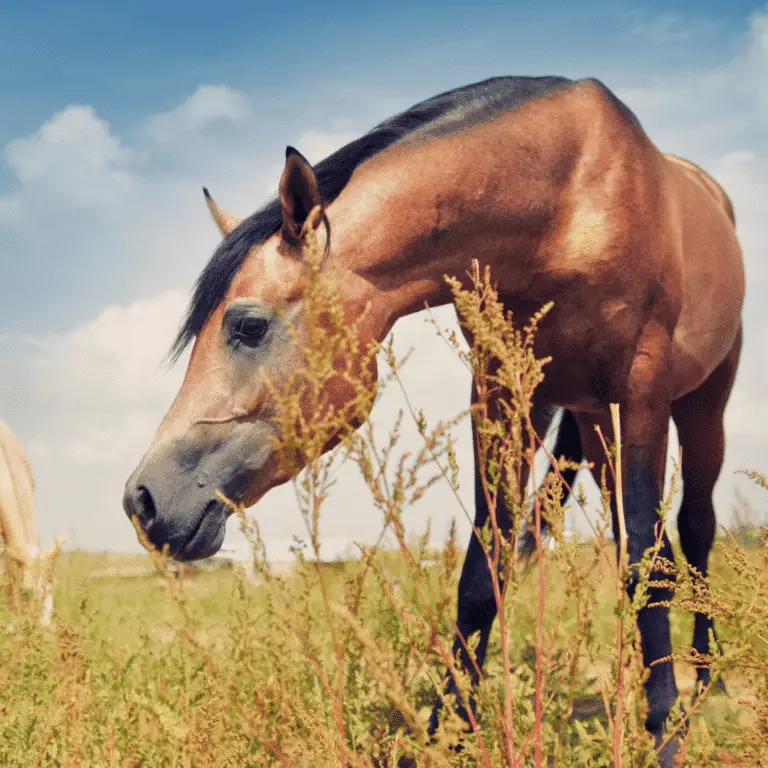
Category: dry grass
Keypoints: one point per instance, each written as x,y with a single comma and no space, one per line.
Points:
215,671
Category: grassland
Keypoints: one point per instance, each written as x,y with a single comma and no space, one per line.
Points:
143,669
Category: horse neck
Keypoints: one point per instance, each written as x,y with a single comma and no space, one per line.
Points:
417,213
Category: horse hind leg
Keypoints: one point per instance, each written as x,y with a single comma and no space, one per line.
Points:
698,417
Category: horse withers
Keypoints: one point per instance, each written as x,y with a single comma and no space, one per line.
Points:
555,186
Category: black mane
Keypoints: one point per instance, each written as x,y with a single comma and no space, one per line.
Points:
448,111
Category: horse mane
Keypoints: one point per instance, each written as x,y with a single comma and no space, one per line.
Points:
450,111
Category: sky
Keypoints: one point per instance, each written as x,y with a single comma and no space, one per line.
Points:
115,115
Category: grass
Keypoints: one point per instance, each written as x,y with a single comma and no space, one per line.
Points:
144,670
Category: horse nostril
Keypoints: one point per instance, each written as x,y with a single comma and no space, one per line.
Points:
158,532
139,503
145,505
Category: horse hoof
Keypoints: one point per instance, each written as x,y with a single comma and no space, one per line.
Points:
669,755
669,746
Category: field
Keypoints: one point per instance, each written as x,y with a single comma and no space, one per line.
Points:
143,669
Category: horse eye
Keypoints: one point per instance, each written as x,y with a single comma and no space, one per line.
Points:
250,331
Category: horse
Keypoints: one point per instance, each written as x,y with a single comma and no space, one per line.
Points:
27,565
552,183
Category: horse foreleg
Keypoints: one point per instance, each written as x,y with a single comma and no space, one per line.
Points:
477,598
476,609
642,473
645,415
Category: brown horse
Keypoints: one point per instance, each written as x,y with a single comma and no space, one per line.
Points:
552,183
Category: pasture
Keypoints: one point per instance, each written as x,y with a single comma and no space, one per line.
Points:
139,669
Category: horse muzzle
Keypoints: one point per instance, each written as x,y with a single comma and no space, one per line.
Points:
175,494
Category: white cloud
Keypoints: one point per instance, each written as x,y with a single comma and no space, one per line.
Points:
113,361
73,160
94,392
316,145
206,106
86,405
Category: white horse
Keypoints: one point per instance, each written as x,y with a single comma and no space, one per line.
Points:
25,562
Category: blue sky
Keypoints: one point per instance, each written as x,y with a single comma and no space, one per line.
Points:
135,58
115,115
314,66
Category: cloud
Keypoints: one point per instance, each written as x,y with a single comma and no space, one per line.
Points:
73,160
93,392
209,104
85,405
113,361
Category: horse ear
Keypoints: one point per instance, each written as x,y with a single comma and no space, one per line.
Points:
224,221
299,194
